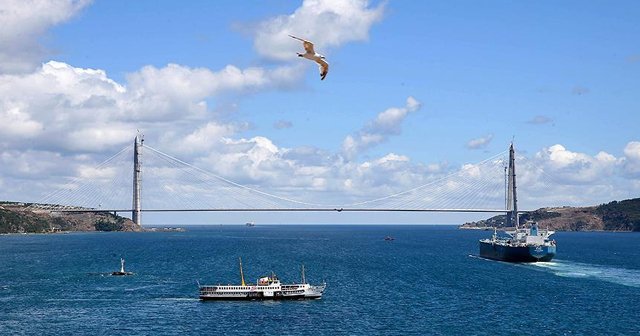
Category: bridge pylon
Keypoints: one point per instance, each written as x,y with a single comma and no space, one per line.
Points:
512,196
137,172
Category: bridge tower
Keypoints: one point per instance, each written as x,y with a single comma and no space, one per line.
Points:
512,198
137,170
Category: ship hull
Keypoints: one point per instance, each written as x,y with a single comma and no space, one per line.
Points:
530,253
256,297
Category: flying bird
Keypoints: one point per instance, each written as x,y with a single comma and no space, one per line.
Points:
312,55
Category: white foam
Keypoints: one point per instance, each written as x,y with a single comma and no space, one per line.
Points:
622,276
179,299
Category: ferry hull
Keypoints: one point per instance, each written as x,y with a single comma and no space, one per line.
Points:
256,298
508,253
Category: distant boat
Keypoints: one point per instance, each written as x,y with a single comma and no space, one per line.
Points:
389,238
250,224
265,288
122,271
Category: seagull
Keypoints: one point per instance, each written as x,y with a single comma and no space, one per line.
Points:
312,55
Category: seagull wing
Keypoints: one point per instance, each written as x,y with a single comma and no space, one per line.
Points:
323,67
297,38
308,45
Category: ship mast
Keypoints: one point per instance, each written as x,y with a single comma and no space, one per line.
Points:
241,273
512,198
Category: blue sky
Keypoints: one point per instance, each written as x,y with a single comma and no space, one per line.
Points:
203,78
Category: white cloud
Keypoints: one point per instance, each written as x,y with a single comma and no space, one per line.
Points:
22,23
632,160
574,167
90,172
632,151
481,142
202,140
99,137
35,164
174,90
386,124
15,123
181,82
76,109
328,23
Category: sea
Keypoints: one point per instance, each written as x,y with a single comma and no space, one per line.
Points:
428,281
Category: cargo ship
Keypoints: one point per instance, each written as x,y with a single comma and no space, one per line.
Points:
525,243
265,288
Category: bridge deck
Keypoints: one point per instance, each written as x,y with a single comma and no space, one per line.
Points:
294,210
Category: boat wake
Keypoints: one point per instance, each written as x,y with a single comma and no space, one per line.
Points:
180,299
621,276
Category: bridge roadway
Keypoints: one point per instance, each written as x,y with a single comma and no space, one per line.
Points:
293,210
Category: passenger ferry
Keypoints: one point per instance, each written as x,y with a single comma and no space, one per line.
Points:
265,288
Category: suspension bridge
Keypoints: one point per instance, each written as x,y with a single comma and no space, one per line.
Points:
163,183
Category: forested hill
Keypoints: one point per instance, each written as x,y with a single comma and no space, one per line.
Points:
18,217
613,216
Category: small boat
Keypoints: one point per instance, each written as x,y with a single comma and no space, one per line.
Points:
389,238
121,271
265,288
250,224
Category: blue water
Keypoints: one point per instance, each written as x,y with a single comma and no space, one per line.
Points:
426,282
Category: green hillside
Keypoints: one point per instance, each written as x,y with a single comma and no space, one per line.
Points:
613,216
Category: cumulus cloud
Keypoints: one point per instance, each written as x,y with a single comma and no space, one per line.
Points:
349,20
177,81
22,23
16,123
574,167
479,143
204,139
386,124
632,159
76,109
63,107
176,89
